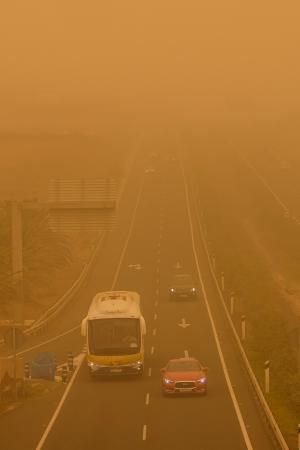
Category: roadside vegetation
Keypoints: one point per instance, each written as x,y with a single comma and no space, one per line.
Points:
51,262
258,250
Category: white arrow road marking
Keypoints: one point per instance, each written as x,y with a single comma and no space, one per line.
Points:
183,323
178,265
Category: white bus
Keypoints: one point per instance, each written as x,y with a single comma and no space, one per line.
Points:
115,329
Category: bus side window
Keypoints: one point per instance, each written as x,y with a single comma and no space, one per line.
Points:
84,327
143,325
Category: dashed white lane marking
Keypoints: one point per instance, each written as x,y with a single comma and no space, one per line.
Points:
144,432
155,316
154,332
152,350
156,303
157,269
149,372
186,354
147,399
157,292
158,261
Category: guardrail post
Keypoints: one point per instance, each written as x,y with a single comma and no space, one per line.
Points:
26,371
243,327
267,377
231,303
70,361
222,281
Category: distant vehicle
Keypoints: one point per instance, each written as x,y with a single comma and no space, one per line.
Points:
184,376
182,287
149,170
115,329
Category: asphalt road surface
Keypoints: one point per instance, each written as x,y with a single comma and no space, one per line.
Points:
156,229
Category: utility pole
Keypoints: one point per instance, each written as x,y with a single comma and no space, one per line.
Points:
17,259
298,349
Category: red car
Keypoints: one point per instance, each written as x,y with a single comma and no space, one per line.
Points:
184,376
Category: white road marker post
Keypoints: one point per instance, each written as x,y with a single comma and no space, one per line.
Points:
144,432
223,281
231,303
267,377
243,327
213,259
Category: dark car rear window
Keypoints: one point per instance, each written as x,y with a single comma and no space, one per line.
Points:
178,366
182,280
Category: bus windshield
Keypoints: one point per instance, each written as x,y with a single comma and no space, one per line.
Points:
120,336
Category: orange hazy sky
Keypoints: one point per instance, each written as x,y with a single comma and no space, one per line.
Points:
83,65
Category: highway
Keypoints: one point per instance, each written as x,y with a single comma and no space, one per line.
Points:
156,231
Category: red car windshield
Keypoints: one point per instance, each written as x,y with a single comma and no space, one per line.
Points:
183,366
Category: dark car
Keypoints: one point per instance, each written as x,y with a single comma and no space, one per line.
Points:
182,287
184,376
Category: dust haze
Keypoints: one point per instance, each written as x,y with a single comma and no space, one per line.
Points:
97,66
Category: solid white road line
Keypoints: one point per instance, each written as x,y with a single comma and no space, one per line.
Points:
60,405
214,329
128,236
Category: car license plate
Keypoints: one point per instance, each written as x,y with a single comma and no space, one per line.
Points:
116,370
185,389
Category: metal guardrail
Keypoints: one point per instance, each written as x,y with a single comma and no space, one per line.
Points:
267,411
52,312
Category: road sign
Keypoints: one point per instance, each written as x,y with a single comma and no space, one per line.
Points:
135,266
